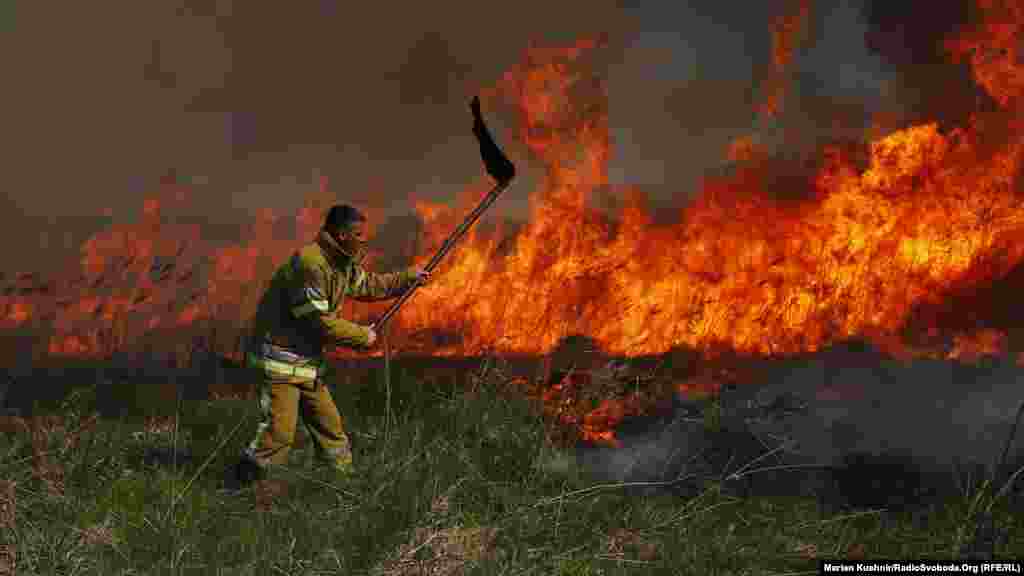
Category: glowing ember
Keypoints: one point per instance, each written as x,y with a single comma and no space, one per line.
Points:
569,403
19,312
744,149
971,348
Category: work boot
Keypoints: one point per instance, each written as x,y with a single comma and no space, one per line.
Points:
244,474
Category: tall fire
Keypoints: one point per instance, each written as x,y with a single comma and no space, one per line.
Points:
873,250
932,214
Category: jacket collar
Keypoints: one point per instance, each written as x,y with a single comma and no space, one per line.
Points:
335,254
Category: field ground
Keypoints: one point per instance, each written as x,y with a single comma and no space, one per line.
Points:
463,478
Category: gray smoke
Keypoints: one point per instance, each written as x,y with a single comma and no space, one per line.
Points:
942,423
938,413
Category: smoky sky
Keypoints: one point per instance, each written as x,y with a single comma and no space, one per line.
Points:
258,100
909,36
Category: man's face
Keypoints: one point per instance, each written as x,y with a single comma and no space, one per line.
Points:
360,231
354,238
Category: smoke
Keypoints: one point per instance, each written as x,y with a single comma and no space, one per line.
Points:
851,404
909,37
709,86
256,101
939,412
697,64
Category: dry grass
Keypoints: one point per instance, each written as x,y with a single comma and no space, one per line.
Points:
159,425
8,525
269,493
8,505
156,429
50,438
438,551
625,544
444,552
8,560
230,395
806,549
44,466
100,534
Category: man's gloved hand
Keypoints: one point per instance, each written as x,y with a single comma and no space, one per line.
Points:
371,336
422,276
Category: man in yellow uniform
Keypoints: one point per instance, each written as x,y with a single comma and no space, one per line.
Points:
296,319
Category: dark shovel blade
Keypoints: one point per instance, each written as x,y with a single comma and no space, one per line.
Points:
497,164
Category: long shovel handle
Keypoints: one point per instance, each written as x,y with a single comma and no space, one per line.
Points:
449,243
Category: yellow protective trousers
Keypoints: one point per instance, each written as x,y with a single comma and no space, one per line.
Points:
282,400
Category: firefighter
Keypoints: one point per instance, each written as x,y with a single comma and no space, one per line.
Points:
296,319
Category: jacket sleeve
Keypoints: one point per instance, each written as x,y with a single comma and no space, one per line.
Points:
369,286
310,303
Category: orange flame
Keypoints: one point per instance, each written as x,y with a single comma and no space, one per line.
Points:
993,48
741,269
788,31
973,347
19,312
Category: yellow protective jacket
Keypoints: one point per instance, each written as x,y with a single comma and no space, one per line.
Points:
297,316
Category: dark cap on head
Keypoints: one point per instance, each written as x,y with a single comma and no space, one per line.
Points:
341,216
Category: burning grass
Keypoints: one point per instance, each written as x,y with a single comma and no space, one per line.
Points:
462,478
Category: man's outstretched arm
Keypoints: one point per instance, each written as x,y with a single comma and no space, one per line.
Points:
368,286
